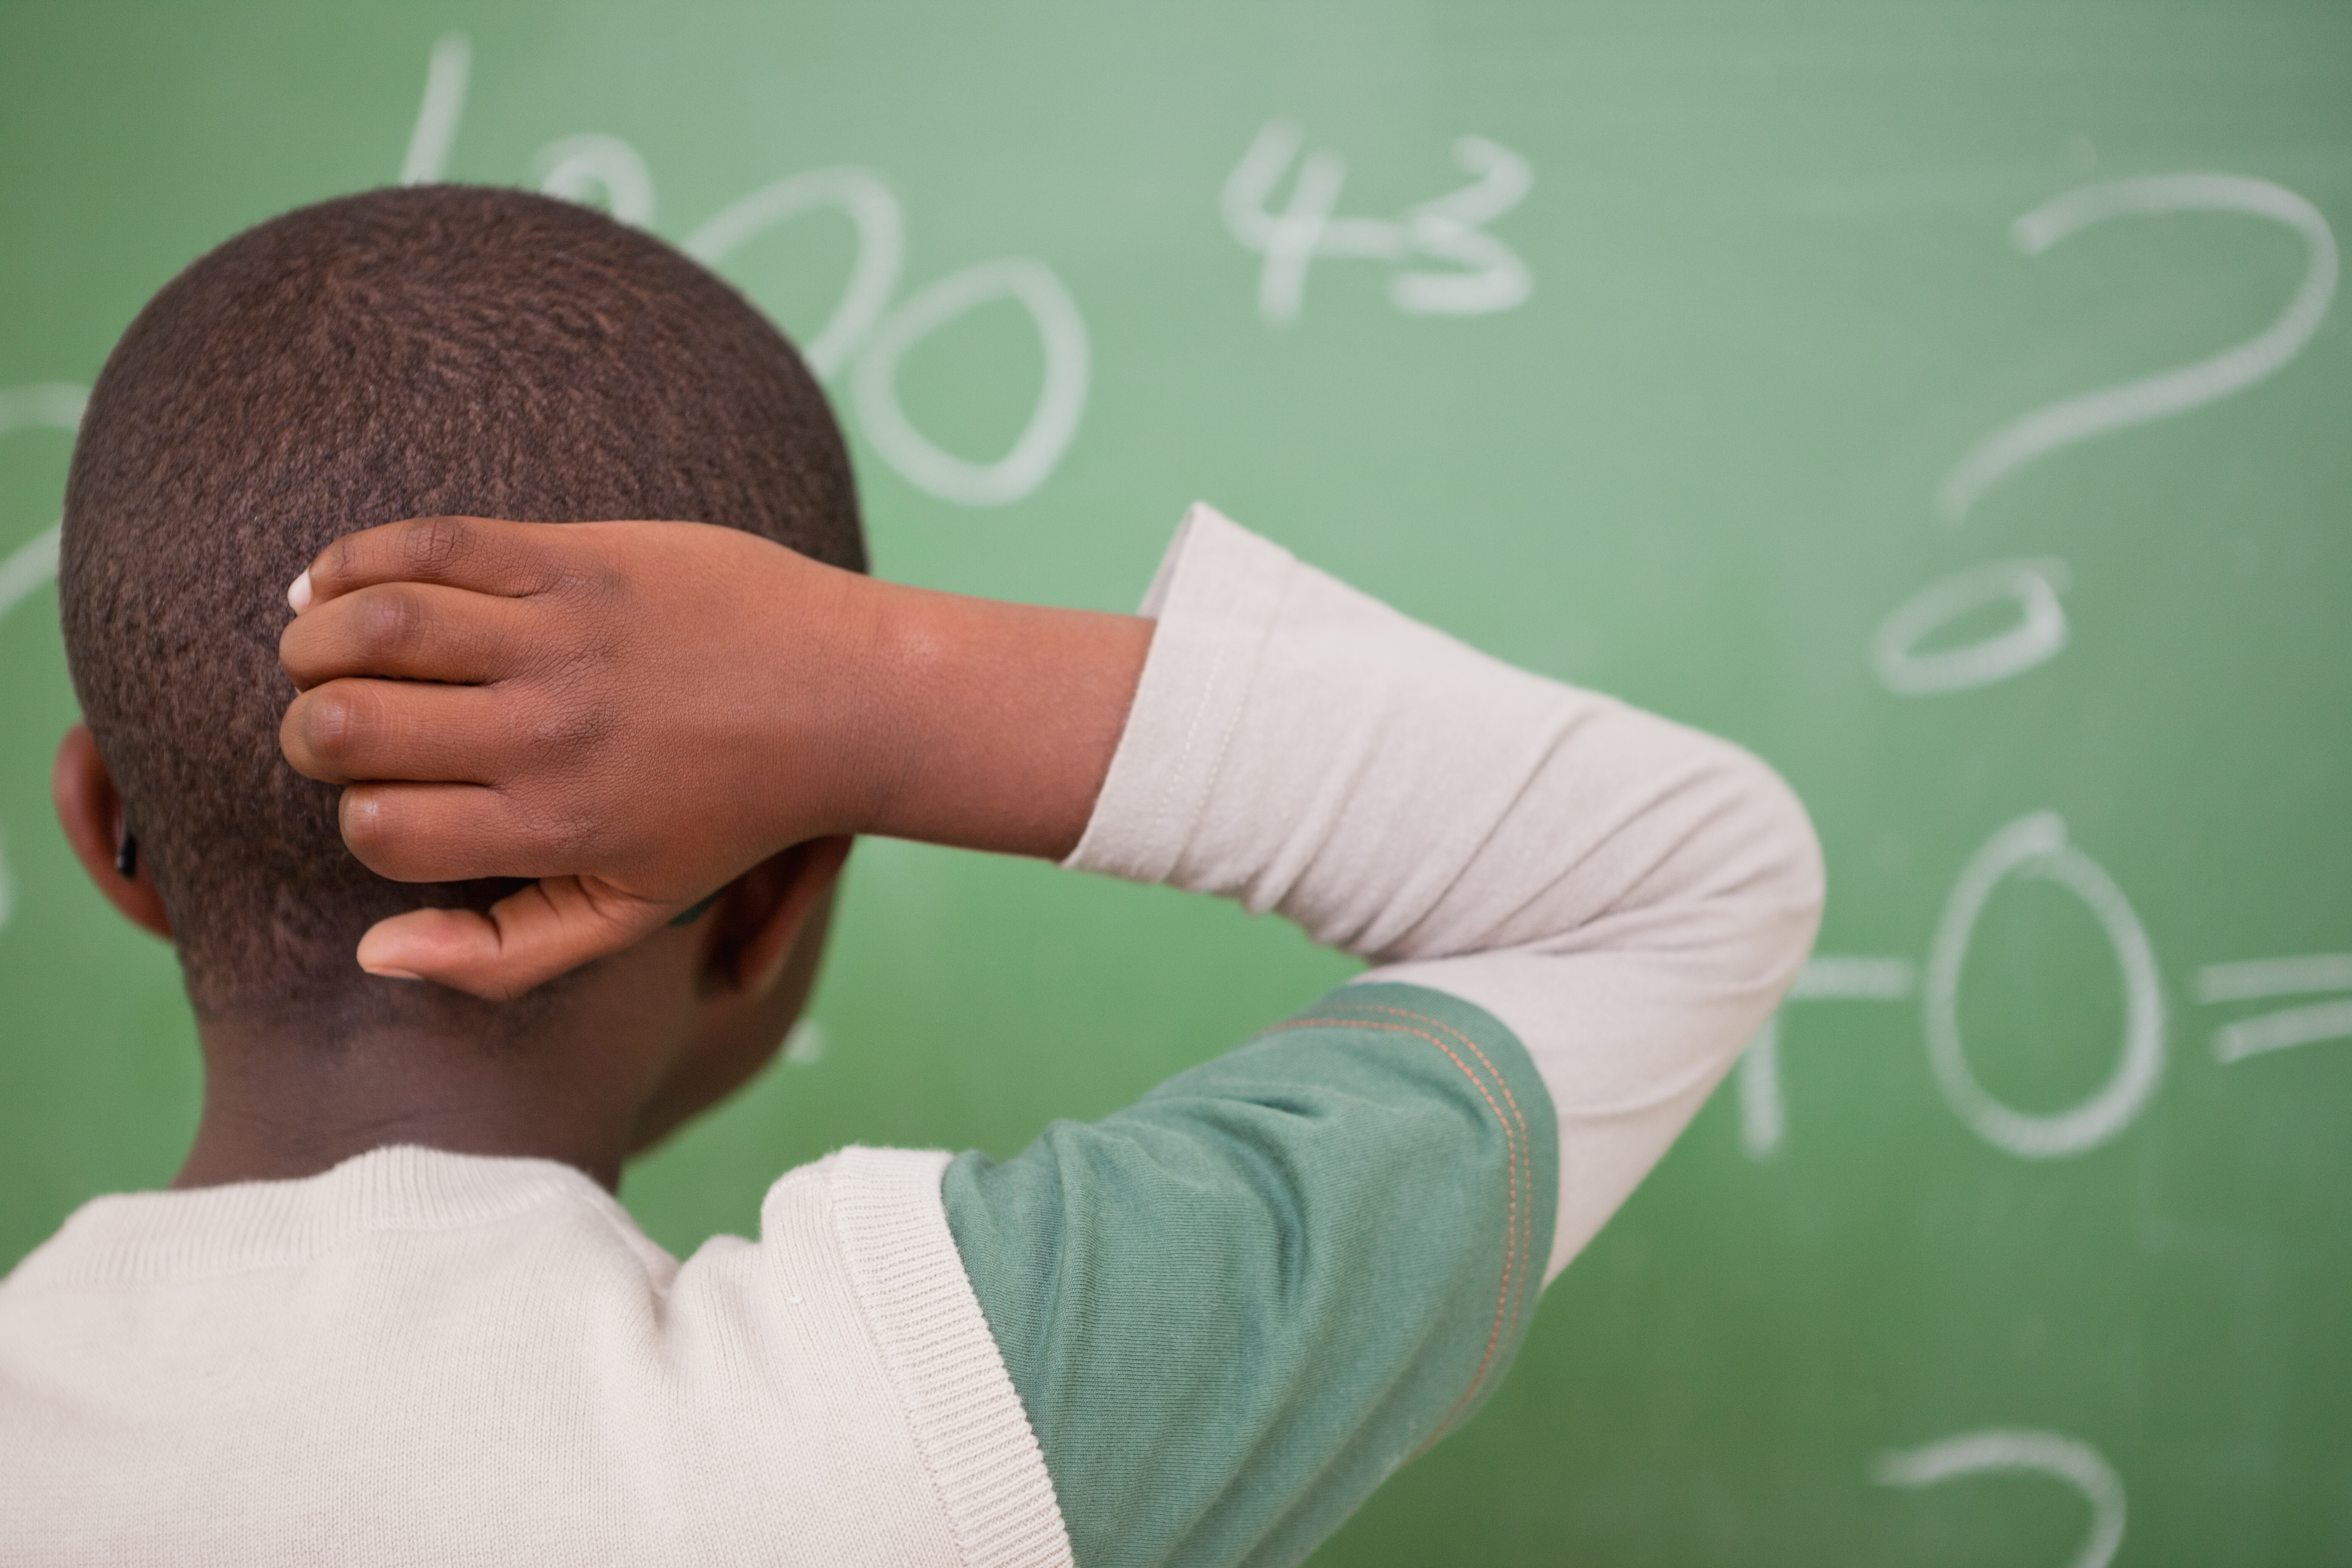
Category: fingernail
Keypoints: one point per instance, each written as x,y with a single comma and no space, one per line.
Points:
299,595
393,973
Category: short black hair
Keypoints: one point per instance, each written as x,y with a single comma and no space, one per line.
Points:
436,351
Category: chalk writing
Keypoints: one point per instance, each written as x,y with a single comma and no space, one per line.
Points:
2036,846
2277,1031
2041,632
2262,979
805,1043
2258,979
1485,276
2038,636
1061,397
2000,1450
579,167
2159,396
872,210
435,131
586,168
28,566
45,406
1763,1108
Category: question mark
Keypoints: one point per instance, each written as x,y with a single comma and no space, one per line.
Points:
2166,393
2034,585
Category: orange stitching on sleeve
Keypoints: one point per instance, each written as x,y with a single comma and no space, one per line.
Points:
1500,1081
1503,1083
1511,1224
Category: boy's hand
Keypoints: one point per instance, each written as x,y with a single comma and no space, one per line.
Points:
611,707
634,713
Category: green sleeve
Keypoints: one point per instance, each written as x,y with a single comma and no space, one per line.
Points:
1234,1308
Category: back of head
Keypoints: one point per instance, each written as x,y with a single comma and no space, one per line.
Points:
437,350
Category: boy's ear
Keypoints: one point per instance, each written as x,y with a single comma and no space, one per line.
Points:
90,812
761,915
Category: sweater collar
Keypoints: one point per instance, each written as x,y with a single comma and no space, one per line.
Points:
130,1238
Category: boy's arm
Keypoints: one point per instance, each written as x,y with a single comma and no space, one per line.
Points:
1234,1308
1629,896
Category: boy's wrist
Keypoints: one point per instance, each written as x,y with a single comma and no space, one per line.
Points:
830,715
977,724
876,723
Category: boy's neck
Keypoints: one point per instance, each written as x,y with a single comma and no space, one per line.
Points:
279,1108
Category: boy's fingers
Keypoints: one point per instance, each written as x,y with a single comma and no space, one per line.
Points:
410,631
484,555
448,833
527,938
353,730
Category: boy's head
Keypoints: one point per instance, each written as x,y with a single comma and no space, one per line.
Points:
434,350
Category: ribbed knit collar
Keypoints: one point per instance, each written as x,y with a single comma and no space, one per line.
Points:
132,1239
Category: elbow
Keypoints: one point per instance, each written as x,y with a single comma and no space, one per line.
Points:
1774,882
1793,870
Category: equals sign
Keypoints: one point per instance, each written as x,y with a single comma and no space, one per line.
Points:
2263,979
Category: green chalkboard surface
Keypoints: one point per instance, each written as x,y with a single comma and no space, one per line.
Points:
1949,401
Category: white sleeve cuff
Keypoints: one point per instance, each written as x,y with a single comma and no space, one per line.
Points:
1216,595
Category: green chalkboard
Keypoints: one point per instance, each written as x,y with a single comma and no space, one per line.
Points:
1947,400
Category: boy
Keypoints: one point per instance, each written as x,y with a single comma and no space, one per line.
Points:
391,1311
